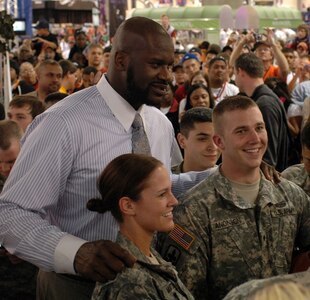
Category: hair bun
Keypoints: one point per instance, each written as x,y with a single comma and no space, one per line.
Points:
97,205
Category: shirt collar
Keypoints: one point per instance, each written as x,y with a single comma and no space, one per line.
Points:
121,109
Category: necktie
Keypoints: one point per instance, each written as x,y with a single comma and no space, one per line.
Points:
140,143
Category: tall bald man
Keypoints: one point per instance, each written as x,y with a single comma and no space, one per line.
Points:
65,150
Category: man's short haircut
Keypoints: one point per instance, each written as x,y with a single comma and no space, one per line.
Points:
67,66
217,58
9,130
193,116
251,64
43,64
55,97
93,45
36,106
88,70
305,135
229,104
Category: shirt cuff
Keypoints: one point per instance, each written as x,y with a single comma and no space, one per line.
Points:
65,253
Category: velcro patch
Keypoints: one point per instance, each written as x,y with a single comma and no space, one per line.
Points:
182,237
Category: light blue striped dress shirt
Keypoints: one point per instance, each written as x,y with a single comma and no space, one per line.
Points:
64,151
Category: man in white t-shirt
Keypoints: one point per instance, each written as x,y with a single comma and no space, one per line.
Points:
218,69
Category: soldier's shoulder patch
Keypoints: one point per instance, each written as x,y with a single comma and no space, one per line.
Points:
182,237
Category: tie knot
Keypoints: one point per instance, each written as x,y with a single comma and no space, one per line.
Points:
137,122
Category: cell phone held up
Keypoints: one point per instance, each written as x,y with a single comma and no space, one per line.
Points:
258,37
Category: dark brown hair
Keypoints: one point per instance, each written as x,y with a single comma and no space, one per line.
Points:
124,176
36,106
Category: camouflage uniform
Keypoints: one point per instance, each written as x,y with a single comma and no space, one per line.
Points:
299,176
178,169
245,290
144,280
221,240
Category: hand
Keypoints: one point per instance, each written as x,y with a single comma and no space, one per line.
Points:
102,260
270,36
270,173
248,38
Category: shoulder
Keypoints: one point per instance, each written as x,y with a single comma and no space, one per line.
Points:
199,197
84,102
132,282
293,171
292,192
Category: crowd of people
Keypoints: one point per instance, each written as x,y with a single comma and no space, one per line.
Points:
140,171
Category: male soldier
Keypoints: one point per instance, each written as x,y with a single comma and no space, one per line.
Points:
18,278
196,139
300,174
236,225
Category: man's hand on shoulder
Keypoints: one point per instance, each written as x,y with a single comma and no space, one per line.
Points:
102,260
270,173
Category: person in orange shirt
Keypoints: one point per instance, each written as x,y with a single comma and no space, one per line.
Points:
267,50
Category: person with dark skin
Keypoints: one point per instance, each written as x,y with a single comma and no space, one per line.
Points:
63,153
65,150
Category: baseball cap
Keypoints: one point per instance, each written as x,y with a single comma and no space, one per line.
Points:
195,49
42,24
260,43
188,56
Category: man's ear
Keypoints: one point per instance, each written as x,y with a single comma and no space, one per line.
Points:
181,140
127,206
121,60
218,141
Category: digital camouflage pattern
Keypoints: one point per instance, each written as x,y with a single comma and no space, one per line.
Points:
245,290
222,240
299,176
144,280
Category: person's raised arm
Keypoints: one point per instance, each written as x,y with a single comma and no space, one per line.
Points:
278,55
244,40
